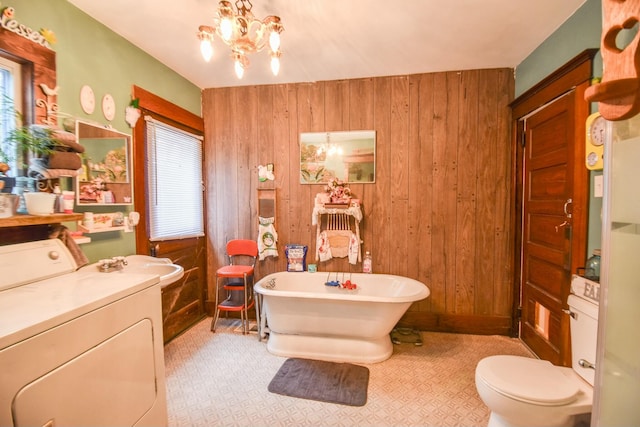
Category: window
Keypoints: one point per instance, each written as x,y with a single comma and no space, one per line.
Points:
10,101
175,183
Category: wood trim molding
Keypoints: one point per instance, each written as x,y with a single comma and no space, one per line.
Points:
457,323
576,71
162,107
39,66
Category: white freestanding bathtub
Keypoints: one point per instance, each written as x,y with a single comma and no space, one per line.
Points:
309,319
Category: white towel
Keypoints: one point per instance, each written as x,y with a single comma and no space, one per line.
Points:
323,248
267,238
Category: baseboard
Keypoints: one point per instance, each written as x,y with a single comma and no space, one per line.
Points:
463,324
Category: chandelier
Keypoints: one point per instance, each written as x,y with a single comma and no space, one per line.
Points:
331,149
243,33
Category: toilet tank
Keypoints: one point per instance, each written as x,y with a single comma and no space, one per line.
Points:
583,305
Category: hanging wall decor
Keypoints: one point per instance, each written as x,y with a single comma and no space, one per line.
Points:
618,94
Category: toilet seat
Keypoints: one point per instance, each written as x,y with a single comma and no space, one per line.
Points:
528,380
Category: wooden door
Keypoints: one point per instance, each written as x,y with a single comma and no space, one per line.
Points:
549,169
182,301
547,228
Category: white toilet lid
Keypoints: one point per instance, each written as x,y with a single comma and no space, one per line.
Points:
526,379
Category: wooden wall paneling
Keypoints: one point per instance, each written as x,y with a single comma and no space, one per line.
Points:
336,106
504,219
421,180
285,120
450,187
444,200
466,190
209,105
485,245
295,202
336,118
224,200
296,210
442,183
317,103
289,172
398,242
247,146
227,169
308,106
361,117
414,189
265,146
438,235
379,220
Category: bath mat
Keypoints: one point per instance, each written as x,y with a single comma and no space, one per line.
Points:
341,383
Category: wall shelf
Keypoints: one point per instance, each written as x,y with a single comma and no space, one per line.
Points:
81,240
22,220
98,230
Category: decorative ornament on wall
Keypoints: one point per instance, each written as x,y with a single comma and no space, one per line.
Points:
48,104
618,94
44,37
87,99
108,107
132,113
266,172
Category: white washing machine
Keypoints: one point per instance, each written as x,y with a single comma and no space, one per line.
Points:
77,348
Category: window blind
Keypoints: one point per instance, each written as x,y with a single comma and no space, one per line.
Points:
175,184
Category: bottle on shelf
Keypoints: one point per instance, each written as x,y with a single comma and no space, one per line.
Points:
57,204
366,263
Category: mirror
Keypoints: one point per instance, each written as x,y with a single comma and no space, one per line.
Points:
349,156
106,166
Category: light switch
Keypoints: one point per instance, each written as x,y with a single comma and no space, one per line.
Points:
597,186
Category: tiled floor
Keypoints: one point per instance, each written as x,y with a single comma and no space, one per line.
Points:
221,379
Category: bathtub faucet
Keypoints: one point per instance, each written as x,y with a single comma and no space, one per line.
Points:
271,283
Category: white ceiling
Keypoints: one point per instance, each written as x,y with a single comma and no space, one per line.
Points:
342,39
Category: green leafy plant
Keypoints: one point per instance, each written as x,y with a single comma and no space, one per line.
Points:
25,139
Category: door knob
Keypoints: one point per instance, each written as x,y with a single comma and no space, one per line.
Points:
564,224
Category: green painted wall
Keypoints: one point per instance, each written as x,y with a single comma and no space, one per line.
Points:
581,31
89,53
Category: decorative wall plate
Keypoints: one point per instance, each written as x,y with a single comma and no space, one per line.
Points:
108,107
87,99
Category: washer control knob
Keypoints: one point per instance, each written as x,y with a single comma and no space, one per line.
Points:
54,255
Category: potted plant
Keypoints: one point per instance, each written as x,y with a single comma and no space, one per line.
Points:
21,141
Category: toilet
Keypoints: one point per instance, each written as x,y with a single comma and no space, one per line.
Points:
522,391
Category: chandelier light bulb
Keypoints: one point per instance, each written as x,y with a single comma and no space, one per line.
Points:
226,29
239,68
206,49
275,65
274,41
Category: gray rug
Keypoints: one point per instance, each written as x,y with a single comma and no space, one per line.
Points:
341,383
